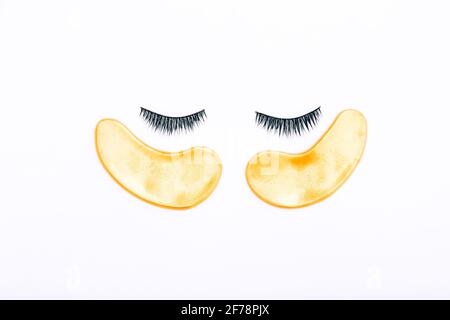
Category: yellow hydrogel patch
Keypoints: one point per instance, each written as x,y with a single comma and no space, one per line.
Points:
298,180
176,180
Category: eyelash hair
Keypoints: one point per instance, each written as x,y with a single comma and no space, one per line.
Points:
291,126
171,125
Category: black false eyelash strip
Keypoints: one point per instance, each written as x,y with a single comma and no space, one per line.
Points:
291,126
170,125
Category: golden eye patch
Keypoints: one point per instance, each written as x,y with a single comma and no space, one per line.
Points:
178,180
298,180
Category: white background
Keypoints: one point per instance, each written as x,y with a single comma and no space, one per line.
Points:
68,231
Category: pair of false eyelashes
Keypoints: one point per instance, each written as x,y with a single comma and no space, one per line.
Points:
281,126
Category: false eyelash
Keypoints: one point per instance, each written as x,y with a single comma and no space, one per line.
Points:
290,126
170,125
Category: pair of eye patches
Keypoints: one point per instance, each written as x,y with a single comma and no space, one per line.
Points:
283,126
183,179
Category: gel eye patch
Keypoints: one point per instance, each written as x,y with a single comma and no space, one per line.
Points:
298,180
175,180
